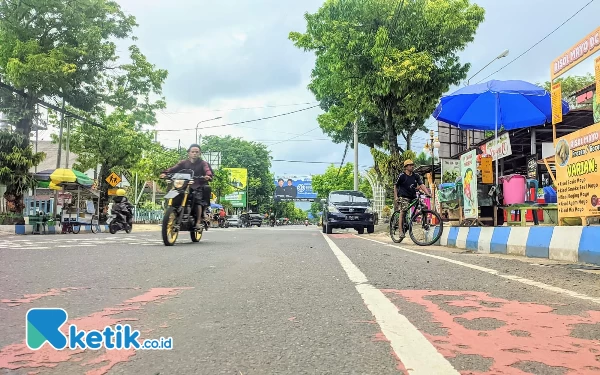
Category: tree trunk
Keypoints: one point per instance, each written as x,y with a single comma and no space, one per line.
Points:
391,131
14,202
103,187
23,126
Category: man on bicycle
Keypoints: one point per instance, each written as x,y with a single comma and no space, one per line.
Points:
405,191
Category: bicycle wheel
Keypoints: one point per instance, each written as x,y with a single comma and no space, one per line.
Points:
76,228
94,224
421,224
394,232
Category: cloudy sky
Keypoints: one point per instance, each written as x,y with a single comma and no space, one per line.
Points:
233,59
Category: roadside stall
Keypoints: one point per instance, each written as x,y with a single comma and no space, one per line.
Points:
80,211
491,106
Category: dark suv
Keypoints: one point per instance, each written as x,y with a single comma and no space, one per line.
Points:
252,219
347,209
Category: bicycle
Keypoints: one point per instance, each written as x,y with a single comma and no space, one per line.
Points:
417,213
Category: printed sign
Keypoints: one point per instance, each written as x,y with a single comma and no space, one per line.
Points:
468,171
294,188
238,179
487,175
450,170
556,99
532,167
576,54
498,148
113,179
577,175
597,71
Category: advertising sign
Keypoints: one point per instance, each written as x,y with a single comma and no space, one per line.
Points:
576,54
597,74
556,101
468,171
238,179
294,188
577,175
498,147
532,167
450,170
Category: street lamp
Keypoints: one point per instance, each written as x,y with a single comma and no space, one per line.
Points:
199,140
502,55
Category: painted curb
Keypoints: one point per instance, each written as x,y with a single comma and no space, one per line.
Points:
571,244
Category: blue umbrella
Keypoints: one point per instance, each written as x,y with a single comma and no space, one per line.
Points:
215,205
486,106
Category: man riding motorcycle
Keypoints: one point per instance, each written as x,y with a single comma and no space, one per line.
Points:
122,206
200,188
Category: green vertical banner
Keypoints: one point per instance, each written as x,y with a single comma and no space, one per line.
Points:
239,182
468,172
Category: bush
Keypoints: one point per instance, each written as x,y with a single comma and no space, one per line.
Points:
386,212
11,219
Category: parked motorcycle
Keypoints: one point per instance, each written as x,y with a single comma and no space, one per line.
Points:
179,213
118,220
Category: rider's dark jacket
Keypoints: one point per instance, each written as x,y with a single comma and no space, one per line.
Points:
200,168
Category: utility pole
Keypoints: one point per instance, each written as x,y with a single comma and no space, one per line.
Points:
68,135
356,154
60,133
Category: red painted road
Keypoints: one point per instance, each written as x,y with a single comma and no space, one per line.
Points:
19,356
526,332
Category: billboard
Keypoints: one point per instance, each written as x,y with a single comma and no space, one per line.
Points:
238,179
294,188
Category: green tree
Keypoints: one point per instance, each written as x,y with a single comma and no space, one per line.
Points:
221,183
569,86
386,60
66,50
16,160
336,178
255,157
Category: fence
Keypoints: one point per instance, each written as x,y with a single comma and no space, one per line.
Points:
141,216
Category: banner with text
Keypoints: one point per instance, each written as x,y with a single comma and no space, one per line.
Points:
450,170
238,179
294,188
577,175
468,171
498,148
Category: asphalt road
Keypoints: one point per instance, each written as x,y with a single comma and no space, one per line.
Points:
295,301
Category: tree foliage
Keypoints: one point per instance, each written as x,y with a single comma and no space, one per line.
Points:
388,60
15,162
221,183
255,157
569,86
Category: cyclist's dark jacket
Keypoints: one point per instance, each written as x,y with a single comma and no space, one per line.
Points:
407,185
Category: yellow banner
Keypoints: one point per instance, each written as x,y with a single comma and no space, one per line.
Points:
556,95
597,69
577,173
576,54
238,177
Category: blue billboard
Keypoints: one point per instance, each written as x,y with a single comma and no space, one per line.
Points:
294,188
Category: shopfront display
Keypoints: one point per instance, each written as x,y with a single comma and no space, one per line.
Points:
577,174
468,172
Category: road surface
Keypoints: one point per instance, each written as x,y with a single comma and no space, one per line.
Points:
295,301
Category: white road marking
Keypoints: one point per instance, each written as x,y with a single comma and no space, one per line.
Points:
522,280
416,353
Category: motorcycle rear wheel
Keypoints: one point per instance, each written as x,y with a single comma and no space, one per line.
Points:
196,234
169,235
113,227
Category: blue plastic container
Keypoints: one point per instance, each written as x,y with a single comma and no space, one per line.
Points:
549,195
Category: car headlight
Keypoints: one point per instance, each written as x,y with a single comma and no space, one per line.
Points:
178,183
333,209
369,210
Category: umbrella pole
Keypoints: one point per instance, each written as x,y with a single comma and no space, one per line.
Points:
496,163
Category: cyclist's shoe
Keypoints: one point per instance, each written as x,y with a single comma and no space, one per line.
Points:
401,236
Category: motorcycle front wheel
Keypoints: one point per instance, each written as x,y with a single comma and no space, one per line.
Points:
169,234
196,234
113,227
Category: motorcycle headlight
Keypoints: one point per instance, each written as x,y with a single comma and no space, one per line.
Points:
178,183
333,209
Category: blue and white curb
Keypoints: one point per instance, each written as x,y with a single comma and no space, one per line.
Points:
571,244
53,229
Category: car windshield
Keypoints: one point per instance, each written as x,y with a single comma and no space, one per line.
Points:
351,198
234,217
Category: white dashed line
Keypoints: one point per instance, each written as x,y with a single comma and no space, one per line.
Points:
414,350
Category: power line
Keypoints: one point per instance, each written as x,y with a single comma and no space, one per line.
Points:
240,108
299,135
541,40
239,122
310,162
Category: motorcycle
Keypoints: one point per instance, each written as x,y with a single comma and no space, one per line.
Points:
179,213
118,221
306,222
